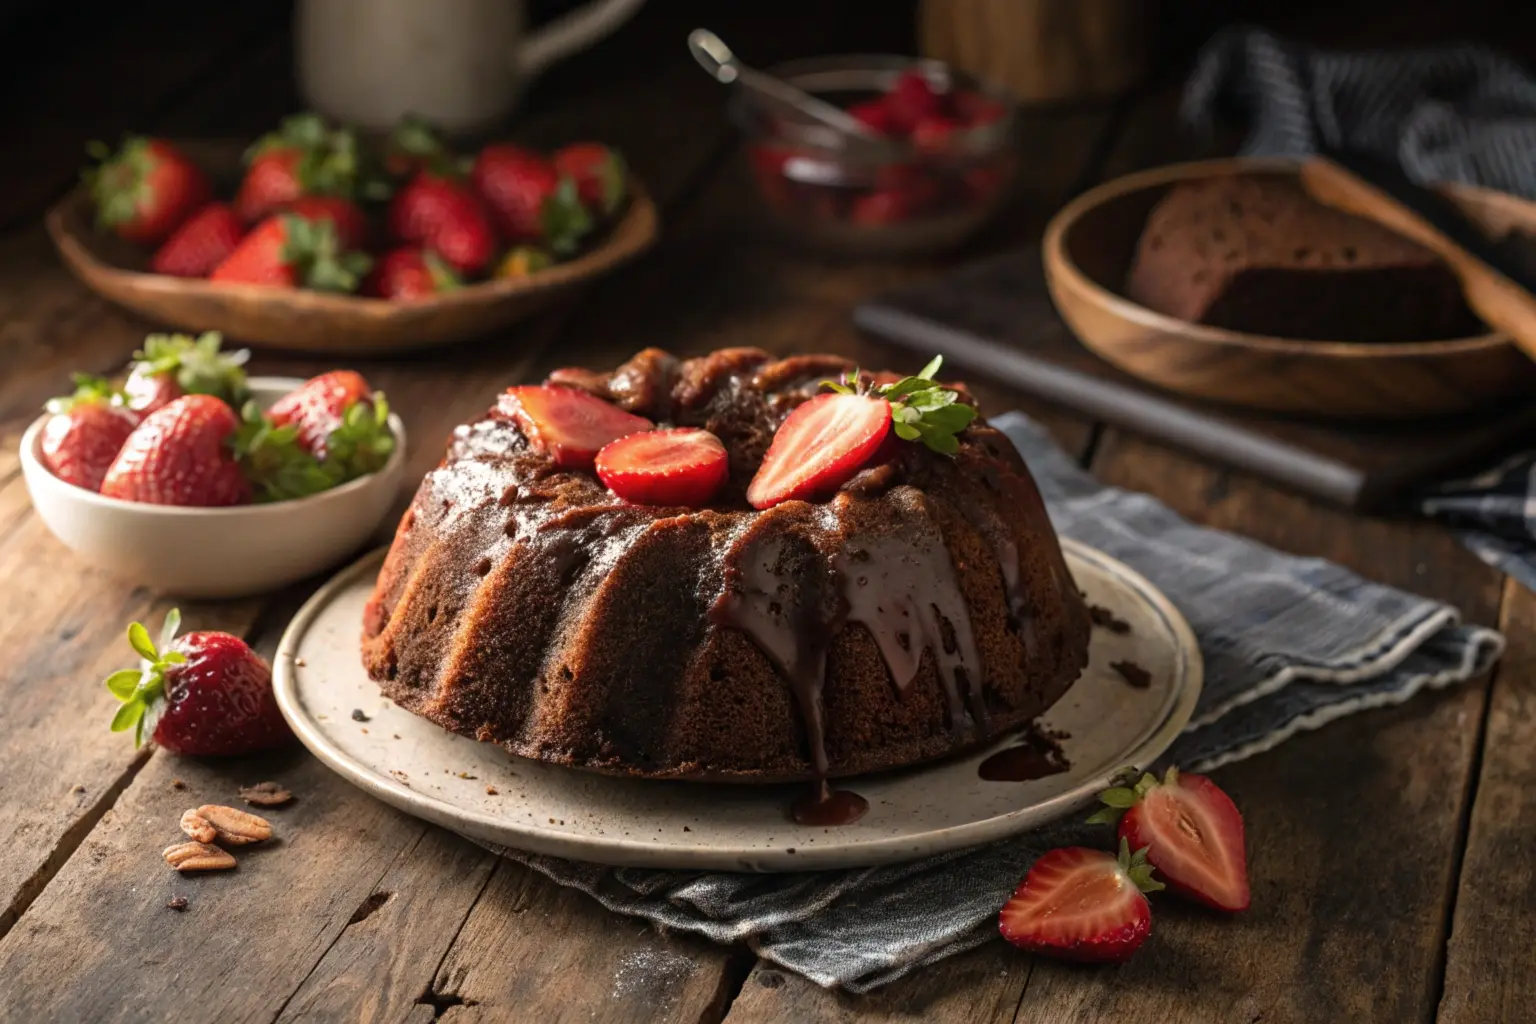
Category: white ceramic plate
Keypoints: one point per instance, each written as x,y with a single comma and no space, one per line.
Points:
428,772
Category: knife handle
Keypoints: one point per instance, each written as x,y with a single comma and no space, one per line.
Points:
1501,303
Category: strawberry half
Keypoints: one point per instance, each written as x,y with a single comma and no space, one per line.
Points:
207,693
1082,904
680,466
571,426
1192,831
819,447
181,455
84,432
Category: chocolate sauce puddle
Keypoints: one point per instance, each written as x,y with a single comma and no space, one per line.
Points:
1136,677
1106,619
826,807
1035,756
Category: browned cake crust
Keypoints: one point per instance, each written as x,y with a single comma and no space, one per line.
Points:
922,610
1255,253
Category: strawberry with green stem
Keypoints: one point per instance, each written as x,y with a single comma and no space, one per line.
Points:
206,693
291,251
339,420
530,199
145,190
304,157
599,173
169,366
201,243
826,440
85,431
1082,904
1192,831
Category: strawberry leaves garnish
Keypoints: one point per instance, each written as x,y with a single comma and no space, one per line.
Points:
564,218
140,689
198,364
281,469
1136,867
1119,799
363,443
89,390
922,409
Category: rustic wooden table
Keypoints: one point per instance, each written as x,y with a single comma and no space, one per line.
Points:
1392,852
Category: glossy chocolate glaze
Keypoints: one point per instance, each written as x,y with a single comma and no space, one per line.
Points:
825,807
526,605
1034,756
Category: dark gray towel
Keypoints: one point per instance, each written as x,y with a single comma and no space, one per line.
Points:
1453,113
1289,644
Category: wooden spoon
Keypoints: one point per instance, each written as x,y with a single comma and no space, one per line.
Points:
1501,302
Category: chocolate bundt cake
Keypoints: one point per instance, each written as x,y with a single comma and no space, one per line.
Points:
922,609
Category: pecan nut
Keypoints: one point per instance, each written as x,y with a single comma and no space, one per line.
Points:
235,827
195,856
197,827
265,794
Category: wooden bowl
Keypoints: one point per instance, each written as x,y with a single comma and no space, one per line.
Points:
309,321
1089,245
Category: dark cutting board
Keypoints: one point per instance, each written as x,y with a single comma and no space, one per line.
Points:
994,319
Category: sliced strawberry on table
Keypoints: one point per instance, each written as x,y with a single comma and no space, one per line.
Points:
678,466
1082,904
340,420
570,425
206,693
530,198
443,214
409,273
600,176
172,365
181,455
820,447
305,156
84,432
146,190
200,244
1192,831
288,251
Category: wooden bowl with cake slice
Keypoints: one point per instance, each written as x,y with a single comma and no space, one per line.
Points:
1384,334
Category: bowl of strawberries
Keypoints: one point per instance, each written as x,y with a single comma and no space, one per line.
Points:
190,478
941,164
313,239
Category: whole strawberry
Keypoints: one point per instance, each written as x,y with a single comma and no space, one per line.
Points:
181,455
204,694
345,215
340,420
146,190
304,157
408,273
601,180
529,199
172,365
442,214
200,244
84,432
291,251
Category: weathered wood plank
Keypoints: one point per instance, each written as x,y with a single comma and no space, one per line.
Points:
532,950
1353,830
1489,958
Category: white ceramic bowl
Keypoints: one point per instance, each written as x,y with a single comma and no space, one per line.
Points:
215,552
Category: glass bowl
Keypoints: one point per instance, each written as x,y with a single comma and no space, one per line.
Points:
900,196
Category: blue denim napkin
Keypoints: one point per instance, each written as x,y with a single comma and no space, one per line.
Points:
1289,644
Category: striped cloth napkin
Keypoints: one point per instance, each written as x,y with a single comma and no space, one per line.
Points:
1289,644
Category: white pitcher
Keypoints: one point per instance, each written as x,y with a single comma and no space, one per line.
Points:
460,64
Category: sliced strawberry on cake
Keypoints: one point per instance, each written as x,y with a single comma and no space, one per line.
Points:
571,426
680,466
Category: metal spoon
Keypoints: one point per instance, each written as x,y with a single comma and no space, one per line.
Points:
716,58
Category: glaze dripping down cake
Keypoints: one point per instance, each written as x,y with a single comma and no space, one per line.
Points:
921,609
